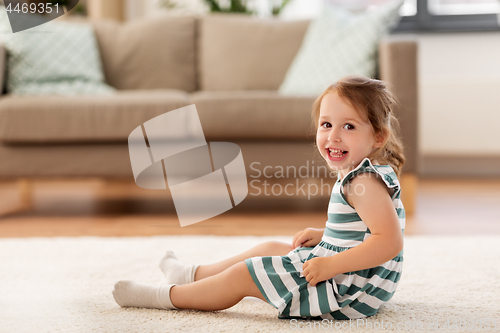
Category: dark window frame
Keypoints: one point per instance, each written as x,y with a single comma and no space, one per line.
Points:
424,21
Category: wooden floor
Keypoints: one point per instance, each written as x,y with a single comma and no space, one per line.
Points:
95,208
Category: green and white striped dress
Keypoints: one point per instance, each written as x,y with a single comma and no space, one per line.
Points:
346,296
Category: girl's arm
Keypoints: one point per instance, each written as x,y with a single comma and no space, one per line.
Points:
374,206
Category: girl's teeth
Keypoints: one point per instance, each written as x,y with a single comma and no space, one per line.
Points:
336,153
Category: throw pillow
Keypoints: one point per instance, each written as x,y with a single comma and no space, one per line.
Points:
54,58
336,44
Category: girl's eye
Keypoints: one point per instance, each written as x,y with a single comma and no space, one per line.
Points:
326,125
348,127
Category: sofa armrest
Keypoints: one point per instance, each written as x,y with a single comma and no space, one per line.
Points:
398,67
3,59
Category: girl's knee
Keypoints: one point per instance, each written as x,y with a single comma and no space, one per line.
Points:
238,274
235,281
271,244
274,247
240,269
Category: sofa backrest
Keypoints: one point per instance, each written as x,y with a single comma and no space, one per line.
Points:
157,53
239,52
211,53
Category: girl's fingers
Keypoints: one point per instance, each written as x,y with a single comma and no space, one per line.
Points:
297,240
305,271
307,243
294,240
304,239
310,279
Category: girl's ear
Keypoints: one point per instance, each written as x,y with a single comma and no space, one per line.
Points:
380,140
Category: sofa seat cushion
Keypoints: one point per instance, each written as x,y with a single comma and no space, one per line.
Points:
260,115
80,119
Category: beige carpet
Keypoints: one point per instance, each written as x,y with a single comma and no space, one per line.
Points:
65,284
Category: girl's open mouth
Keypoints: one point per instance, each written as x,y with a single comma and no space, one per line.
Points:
336,154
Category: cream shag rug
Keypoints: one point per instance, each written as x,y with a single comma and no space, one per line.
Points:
65,284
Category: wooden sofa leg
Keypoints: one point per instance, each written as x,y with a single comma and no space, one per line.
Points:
20,201
409,182
25,188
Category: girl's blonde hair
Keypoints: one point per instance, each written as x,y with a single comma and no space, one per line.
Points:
371,98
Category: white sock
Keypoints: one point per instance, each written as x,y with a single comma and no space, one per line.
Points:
175,271
130,293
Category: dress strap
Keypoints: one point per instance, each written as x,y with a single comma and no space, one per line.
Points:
384,172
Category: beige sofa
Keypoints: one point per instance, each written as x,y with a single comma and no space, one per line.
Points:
230,67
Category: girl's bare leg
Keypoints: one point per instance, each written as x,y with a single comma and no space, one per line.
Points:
179,273
261,250
217,292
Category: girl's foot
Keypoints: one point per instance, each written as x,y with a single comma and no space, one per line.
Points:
130,293
175,271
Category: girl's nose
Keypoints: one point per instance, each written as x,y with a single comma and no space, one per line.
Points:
334,136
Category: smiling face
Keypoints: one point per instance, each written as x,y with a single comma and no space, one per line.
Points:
344,136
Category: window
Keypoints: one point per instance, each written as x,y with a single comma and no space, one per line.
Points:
463,7
449,15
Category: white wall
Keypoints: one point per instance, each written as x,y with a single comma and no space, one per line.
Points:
459,81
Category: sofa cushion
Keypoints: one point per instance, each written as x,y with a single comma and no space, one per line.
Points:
55,58
113,161
339,43
82,160
260,115
157,53
58,119
237,52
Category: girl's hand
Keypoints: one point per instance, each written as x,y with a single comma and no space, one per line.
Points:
317,270
307,238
